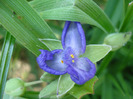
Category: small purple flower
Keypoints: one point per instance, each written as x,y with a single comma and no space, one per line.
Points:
68,60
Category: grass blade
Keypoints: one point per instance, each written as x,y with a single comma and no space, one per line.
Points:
20,19
128,18
5,61
86,11
114,9
107,89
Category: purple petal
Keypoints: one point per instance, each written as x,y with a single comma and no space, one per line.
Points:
52,62
73,36
83,71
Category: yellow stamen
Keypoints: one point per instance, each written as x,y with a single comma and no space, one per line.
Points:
62,61
73,61
72,55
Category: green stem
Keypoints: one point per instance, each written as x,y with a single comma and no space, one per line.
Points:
33,83
105,63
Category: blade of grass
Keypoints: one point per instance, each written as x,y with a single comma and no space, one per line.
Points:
126,2
114,9
123,83
20,19
116,84
5,61
107,89
128,18
110,7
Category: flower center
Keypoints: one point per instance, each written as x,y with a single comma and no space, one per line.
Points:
72,56
62,61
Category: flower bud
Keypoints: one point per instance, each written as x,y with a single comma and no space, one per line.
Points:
117,40
15,87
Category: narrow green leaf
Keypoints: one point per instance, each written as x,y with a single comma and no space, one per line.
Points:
118,15
110,7
96,52
121,96
24,24
5,61
128,18
65,84
116,84
126,2
122,83
88,88
43,5
114,9
85,11
96,13
107,89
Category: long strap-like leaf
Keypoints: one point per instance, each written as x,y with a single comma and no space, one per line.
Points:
5,61
20,19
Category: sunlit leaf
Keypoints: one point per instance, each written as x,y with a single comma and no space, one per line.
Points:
24,24
49,90
96,52
65,84
58,87
88,88
86,11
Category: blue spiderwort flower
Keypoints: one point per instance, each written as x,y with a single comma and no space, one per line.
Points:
67,60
